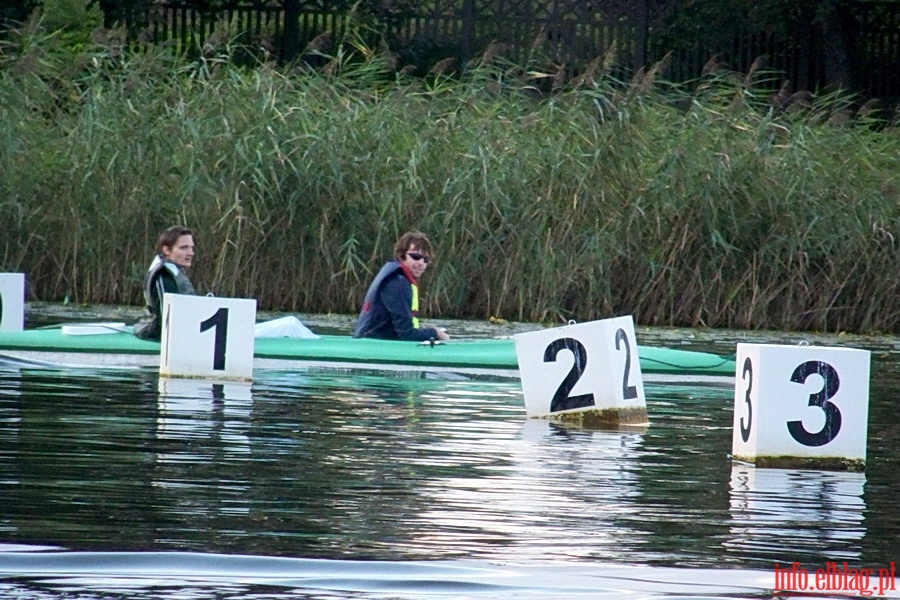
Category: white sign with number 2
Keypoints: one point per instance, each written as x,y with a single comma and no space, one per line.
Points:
581,366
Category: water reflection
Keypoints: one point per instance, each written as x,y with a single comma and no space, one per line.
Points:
796,515
552,487
202,429
177,576
349,465
191,409
65,451
10,440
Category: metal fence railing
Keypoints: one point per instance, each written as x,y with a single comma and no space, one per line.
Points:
570,32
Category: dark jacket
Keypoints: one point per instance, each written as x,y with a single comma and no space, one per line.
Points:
388,312
163,277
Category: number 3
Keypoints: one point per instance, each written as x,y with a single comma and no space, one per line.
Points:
831,383
748,370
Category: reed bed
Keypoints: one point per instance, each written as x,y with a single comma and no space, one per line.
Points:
707,205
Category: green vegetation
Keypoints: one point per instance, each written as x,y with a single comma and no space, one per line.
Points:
706,205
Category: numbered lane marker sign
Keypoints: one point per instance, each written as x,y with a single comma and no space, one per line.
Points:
12,301
801,406
589,369
207,337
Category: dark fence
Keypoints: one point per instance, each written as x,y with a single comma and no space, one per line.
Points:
877,50
859,51
864,56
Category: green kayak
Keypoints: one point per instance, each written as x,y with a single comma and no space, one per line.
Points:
495,357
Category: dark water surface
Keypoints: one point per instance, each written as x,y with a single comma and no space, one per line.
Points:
116,484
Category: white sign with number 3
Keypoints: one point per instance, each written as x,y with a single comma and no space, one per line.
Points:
205,336
800,402
585,366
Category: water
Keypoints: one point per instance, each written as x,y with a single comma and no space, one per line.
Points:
115,484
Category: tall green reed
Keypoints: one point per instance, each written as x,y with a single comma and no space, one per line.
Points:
702,205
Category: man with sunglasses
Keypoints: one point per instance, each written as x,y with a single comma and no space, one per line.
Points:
391,307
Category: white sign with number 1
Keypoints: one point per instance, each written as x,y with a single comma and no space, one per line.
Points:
209,337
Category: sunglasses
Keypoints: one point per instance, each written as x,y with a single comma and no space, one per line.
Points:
417,256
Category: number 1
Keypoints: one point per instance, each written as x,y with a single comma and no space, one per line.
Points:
220,321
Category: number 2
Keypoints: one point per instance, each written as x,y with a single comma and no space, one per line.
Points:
629,392
561,399
219,321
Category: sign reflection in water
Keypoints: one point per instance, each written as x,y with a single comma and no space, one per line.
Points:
348,465
551,485
797,515
200,426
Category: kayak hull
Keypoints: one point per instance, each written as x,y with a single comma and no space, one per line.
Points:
495,357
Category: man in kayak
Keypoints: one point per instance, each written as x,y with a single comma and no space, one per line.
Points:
175,253
391,306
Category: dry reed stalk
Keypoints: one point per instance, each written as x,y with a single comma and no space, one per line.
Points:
540,209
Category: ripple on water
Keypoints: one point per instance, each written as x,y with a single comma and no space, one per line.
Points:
355,465
39,575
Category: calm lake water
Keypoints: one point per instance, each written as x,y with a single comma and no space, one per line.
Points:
115,484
